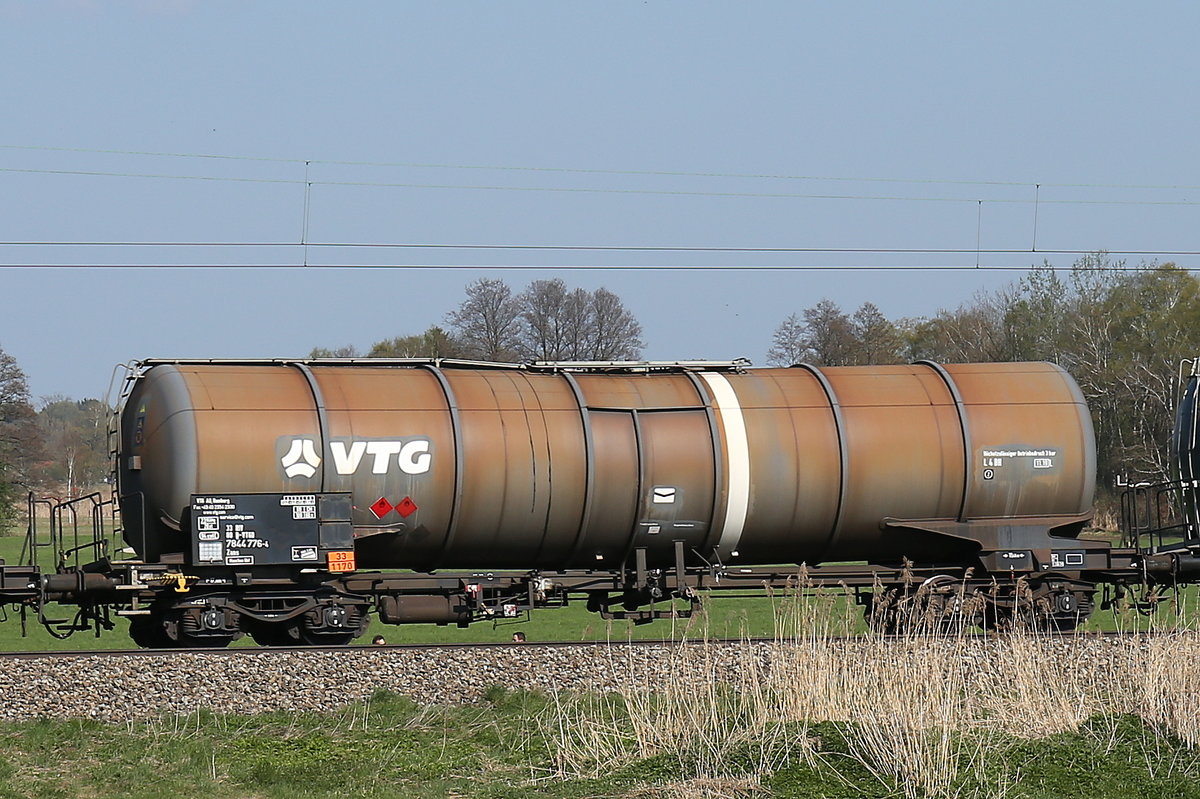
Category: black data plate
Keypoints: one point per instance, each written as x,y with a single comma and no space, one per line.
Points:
255,530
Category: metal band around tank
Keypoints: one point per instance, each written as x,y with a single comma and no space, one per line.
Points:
585,416
322,420
639,445
456,431
529,394
737,448
843,450
966,432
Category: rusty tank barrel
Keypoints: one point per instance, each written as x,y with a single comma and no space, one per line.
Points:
460,465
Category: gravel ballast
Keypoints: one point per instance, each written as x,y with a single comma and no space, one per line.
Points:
138,686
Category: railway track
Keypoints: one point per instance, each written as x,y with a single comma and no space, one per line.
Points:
258,651
140,685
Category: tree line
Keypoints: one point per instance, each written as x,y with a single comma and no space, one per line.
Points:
1121,331
547,321
60,449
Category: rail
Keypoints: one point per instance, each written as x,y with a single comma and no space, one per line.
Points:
684,641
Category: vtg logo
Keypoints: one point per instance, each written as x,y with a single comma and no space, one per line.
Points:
302,459
411,456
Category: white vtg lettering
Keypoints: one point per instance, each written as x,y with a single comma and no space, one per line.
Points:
413,457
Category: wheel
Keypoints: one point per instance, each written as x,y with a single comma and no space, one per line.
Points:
206,641
1038,609
880,612
149,632
326,639
332,625
173,629
286,633
1064,611
207,628
939,606
1062,625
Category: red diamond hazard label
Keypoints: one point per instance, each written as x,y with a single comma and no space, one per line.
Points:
381,507
406,507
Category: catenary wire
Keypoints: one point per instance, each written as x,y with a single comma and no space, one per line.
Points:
593,171
596,248
610,267
599,190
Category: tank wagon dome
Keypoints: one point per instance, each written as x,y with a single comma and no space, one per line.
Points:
572,466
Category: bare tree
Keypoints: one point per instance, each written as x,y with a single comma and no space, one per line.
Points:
615,334
830,338
876,339
548,334
577,322
789,345
488,321
976,331
549,322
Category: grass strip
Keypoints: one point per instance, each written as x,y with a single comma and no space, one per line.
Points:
390,747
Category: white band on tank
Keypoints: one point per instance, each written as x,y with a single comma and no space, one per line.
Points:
737,461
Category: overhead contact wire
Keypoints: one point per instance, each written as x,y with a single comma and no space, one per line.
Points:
597,190
612,267
597,171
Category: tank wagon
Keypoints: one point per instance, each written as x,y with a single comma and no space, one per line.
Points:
289,499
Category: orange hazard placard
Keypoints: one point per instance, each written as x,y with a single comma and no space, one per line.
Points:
341,561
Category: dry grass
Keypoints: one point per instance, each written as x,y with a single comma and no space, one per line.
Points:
701,788
919,713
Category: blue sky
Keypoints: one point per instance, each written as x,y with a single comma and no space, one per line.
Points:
844,126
